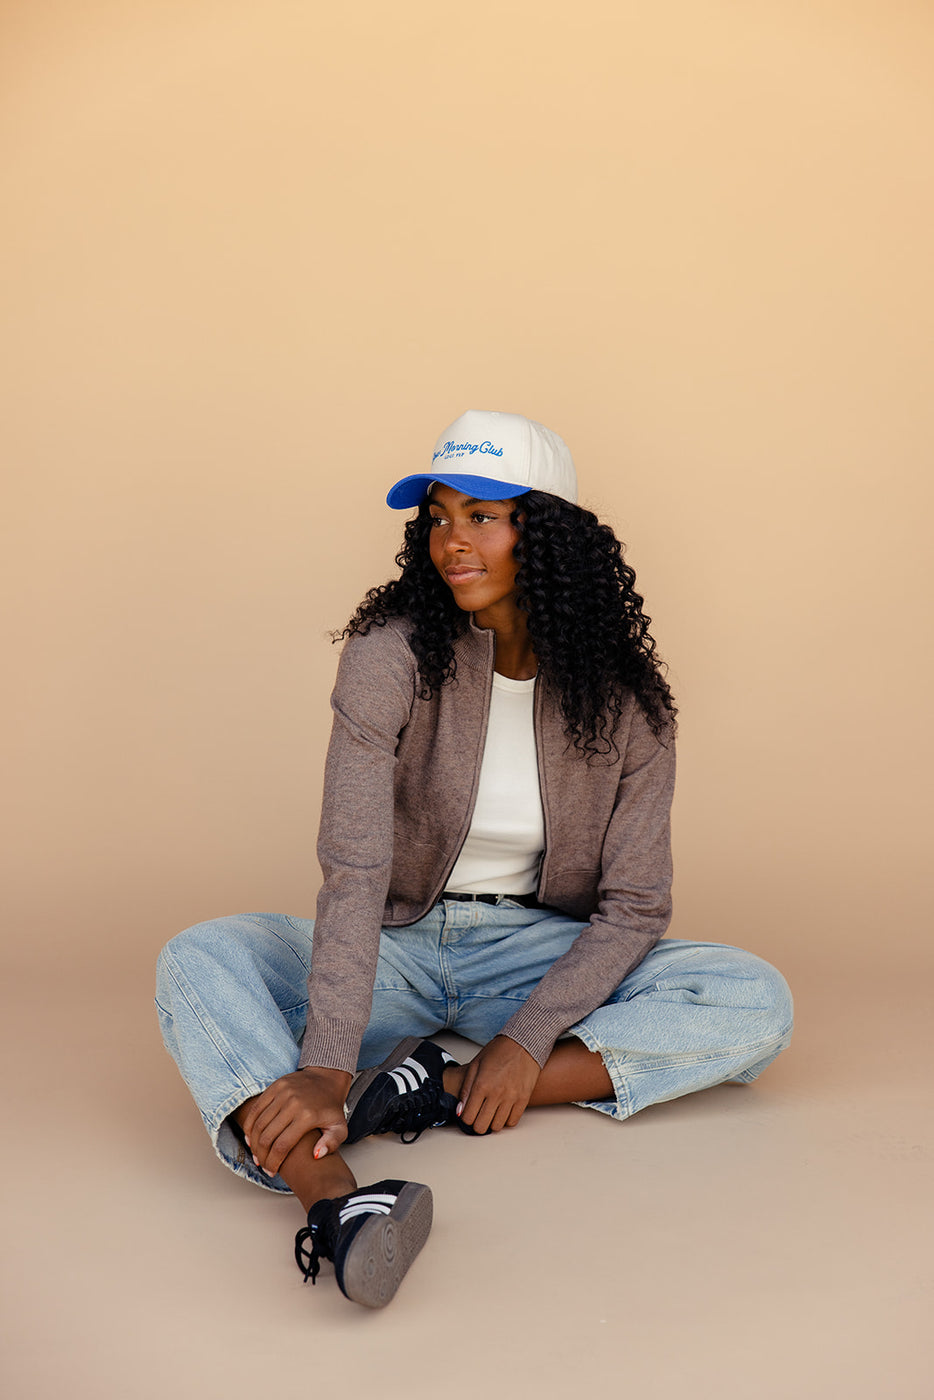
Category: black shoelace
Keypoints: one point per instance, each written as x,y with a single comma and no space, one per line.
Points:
309,1260
415,1111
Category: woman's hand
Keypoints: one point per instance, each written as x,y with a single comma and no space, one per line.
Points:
498,1085
278,1118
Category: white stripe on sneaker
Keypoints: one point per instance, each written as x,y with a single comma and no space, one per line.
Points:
404,1080
375,1205
351,1211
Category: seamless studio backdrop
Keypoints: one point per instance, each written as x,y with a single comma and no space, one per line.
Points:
254,259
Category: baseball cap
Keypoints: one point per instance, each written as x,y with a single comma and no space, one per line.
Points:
493,456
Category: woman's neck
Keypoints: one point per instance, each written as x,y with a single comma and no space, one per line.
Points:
514,656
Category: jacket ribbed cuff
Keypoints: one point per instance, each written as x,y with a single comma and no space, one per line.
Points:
331,1044
535,1029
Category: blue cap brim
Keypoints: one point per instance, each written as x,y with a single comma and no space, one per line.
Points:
411,490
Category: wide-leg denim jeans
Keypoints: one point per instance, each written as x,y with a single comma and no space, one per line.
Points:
232,1000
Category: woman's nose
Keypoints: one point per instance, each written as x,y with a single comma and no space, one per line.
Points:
456,540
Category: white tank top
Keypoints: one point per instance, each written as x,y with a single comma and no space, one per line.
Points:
504,845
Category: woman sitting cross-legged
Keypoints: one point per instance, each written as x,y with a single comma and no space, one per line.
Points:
495,847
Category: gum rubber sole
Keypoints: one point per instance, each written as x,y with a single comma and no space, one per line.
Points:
364,1080
382,1250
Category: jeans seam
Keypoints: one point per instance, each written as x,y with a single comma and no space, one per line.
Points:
517,997
619,1075
284,941
617,1079
703,1057
448,981
677,958
233,1101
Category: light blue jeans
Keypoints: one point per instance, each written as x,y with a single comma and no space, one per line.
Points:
232,1000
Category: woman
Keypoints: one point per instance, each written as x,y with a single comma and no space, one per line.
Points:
495,848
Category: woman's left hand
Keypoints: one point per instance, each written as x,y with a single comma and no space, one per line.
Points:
498,1085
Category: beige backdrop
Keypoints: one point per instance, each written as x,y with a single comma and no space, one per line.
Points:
256,256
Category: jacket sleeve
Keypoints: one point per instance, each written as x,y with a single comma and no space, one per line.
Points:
372,701
634,907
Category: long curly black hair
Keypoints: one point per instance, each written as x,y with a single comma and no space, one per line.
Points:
586,623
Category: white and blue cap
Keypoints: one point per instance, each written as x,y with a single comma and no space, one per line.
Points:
493,456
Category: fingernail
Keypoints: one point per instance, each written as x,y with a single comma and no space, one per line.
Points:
460,1109
255,1160
268,1173
320,1151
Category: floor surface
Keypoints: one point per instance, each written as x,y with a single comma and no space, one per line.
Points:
764,1241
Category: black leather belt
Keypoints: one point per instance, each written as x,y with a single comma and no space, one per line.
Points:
527,900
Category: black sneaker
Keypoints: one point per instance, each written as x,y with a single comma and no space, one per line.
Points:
405,1094
372,1235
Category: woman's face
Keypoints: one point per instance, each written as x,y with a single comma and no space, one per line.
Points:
471,544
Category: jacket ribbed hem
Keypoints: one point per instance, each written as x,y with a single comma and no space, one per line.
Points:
535,1029
331,1045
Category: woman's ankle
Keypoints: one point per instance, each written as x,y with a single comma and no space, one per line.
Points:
314,1179
453,1078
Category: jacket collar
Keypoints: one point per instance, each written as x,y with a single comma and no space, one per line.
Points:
475,647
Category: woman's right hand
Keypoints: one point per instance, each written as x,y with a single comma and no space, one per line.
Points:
293,1106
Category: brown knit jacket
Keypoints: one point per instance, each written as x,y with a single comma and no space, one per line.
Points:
399,790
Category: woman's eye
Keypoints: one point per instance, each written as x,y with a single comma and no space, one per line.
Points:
479,517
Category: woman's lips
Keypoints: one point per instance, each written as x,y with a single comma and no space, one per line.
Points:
462,574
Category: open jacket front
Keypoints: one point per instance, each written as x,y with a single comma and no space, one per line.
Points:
399,790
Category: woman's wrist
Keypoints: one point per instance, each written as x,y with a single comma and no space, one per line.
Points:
336,1081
